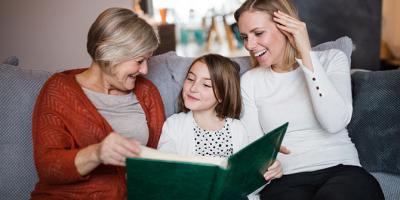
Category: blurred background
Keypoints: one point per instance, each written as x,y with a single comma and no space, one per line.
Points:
51,34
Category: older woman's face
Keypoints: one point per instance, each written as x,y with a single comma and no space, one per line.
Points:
262,38
123,75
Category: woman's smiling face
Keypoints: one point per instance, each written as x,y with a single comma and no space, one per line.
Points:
123,75
262,38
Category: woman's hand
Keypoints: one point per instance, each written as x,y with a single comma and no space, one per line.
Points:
296,32
284,150
114,149
274,171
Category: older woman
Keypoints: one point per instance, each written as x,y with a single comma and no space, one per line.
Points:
310,90
86,122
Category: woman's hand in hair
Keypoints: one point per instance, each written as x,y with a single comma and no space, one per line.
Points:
296,32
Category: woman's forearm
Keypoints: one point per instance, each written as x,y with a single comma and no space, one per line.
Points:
87,159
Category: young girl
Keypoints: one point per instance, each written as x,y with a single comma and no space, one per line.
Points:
211,103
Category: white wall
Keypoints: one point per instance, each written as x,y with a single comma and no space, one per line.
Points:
49,34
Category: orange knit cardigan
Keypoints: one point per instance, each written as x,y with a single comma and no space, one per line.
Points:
65,121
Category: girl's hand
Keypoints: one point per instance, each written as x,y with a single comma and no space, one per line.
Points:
274,171
296,32
114,149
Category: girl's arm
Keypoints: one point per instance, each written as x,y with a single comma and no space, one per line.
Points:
168,143
240,135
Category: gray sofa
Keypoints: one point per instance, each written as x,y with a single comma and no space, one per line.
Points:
375,126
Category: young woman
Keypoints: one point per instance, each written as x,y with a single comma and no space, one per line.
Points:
311,90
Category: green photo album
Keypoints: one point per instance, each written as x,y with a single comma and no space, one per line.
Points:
163,176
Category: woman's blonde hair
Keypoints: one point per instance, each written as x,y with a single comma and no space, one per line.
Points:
119,35
271,6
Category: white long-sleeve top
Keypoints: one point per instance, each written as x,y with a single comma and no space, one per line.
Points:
317,104
177,134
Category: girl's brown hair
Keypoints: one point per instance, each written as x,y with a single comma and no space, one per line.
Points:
225,79
271,6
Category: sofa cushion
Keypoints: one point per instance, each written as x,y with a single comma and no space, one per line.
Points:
162,77
167,71
344,44
18,89
375,125
389,184
12,60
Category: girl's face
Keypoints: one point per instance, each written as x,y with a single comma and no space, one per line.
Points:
123,75
262,38
197,92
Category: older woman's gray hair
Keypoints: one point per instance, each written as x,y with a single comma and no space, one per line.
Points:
119,35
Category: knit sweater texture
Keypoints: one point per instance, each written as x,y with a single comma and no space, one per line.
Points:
64,122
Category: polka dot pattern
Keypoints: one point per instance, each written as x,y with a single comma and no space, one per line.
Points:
213,143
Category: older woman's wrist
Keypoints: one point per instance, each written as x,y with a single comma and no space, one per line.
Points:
95,156
87,159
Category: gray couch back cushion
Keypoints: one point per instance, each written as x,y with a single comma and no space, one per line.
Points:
18,89
375,125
